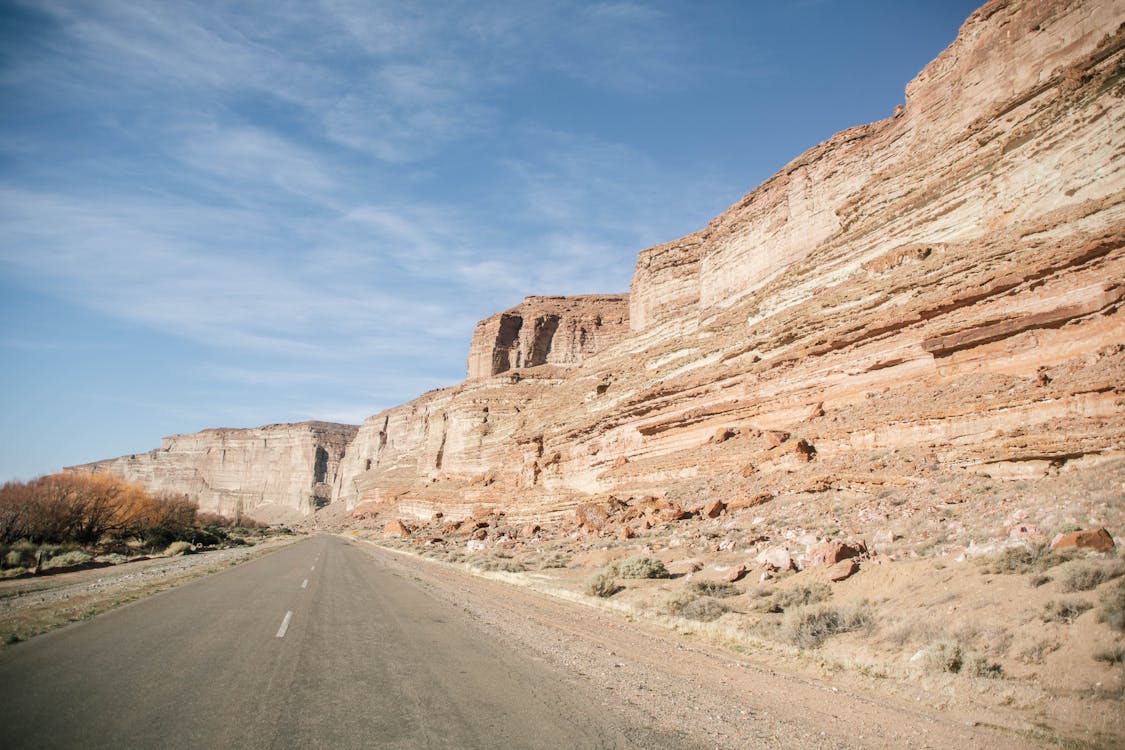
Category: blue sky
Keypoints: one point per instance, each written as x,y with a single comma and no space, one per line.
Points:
231,214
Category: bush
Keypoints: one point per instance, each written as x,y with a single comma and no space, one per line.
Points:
704,609
798,596
67,559
943,656
1065,610
177,548
641,567
1111,655
1025,559
603,585
948,656
808,626
711,588
1112,611
1084,576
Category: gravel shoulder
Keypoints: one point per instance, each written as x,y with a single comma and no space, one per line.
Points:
683,682
32,606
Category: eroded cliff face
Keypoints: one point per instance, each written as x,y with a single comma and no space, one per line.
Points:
563,331
935,294
274,473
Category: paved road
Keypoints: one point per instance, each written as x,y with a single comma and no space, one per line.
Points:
317,645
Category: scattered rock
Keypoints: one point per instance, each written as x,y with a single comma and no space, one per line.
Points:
395,529
626,532
737,574
842,570
830,553
1093,539
714,508
621,461
775,438
777,558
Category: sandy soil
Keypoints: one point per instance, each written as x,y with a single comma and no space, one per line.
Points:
682,680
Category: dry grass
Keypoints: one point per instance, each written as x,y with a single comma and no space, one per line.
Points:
798,596
1112,610
1032,558
1089,574
808,626
603,585
1065,610
641,567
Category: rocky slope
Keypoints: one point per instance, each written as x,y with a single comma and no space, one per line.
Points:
277,472
933,296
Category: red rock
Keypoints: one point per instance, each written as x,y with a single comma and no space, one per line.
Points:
737,573
775,438
621,461
842,570
395,529
626,532
723,434
831,553
1093,539
530,530
742,503
591,516
714,508
804,450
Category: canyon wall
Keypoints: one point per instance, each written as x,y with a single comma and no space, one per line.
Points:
274,473
934,294
562,331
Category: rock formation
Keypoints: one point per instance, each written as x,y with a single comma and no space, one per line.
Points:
278,472
928,297
937,292
561,331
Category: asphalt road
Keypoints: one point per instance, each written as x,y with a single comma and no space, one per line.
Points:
317,645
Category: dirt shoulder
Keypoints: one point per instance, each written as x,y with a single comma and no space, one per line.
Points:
32,606
684,681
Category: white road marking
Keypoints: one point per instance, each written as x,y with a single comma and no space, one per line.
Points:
285,624
305,583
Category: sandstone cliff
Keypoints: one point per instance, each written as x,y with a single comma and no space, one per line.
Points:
929,296
273,473
561,331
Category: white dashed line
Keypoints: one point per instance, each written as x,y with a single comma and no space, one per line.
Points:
305,583
285,624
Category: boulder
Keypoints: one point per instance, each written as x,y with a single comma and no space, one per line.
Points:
395,529
830,553
777,558
1098,540
842,570
714,508
737,573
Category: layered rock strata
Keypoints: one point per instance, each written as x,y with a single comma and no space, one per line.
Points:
278,472
930,296
564,331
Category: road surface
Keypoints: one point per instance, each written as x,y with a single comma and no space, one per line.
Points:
317,645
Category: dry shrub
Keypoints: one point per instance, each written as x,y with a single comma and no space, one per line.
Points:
808,626
703,609
949,656
1112,610
1111,655
67,559
714,589
603,585
798,596
1089,574
641,567
177,548
1065,610
1029,558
